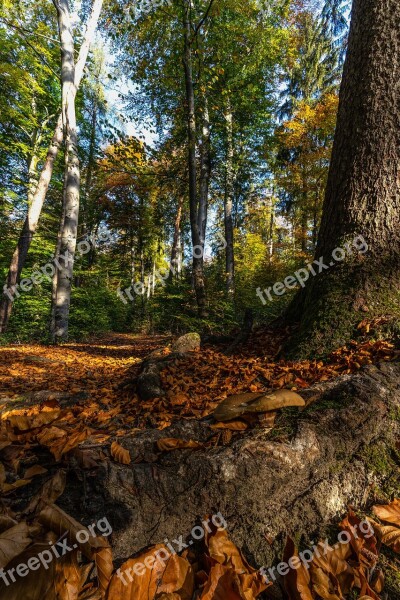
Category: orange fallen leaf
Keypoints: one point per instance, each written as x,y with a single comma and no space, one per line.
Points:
231,425
34,471
120,454
169,444
27,422
63,445
389,513
296,581
142,578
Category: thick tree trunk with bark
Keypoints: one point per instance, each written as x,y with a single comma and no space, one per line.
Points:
36,202
363,190
198,270
69,225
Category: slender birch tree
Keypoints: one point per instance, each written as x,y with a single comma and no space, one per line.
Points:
38,197
71,194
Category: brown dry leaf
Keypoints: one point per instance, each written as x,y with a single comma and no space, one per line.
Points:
50,491
34,471
231,425
223,584
177,579
12,456
48,436
96,548
120,454
389,513
2,474
87,458
55,519
62,580
63,445
224,552
168,444
365,548
325,584
10,487
334,561
68,577
378,581
27,422
179,399
6,522
366,589
37,585
103,559
297,581
140,577
13,541
388,535
4,441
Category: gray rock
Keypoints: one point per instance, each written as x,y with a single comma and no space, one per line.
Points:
187,343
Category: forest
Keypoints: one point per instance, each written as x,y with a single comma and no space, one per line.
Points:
199,300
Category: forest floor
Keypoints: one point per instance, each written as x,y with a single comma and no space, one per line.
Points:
72,403
98,375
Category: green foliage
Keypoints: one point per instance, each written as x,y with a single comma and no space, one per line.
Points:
244,54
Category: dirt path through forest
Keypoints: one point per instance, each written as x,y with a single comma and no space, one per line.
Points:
95,369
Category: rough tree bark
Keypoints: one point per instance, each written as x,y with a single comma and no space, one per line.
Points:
69,225
363,190
36,202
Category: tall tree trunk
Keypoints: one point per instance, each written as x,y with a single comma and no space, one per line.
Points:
228,202
271,228
72,178
363,189
176,243
88,224
205,174
35,206
57,252
304,231
198,270
304,211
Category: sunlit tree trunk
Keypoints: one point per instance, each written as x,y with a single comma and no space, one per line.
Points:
72,177
36,204
271,228
363,190
176,242
54,280
205,174
228,202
